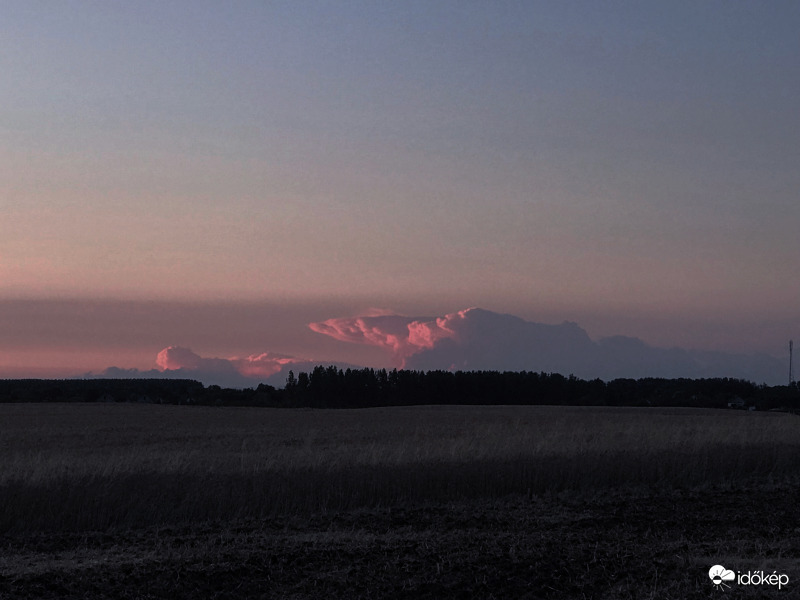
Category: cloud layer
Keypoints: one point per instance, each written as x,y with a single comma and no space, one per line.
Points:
471,339
402,336
269,367
467,339
175,362
255,366
474,339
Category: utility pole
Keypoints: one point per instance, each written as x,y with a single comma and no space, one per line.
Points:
791,374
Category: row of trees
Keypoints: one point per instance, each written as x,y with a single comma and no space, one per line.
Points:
149,391
330,387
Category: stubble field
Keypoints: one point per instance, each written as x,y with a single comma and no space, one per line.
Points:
131,501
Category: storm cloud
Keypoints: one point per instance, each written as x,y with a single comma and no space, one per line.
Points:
475,339
470,339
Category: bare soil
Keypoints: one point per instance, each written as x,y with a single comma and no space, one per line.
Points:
630,544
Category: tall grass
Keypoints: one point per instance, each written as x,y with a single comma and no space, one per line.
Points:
86,467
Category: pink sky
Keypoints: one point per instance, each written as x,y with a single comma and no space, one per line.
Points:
218,179
72,337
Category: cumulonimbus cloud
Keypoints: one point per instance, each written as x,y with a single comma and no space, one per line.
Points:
475,339
469,339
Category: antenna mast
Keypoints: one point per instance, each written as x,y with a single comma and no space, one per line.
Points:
791,374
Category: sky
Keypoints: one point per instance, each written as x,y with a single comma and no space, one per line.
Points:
219,177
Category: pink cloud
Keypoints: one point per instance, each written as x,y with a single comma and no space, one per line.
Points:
175,357
253,366
263,365
403,336
426,334
385,331
469,338
477,339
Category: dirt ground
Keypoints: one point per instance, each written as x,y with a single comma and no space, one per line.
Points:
622,545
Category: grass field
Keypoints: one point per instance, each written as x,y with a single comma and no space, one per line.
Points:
391,502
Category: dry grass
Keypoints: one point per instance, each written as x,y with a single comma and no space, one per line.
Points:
98,467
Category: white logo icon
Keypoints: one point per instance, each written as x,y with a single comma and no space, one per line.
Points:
719,575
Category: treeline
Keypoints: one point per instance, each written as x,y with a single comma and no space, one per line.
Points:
146,391
353,388
330,387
